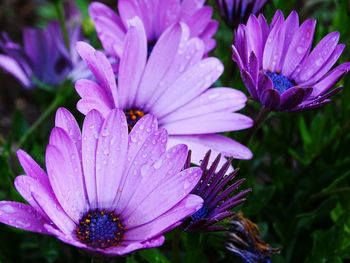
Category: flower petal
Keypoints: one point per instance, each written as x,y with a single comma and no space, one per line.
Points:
101,68
111,158
65,173
22,216
184,208
199,77
149,152
299,47
132,63
212,100
65,120
91,130
219,122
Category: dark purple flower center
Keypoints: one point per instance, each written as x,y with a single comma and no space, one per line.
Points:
200,214
100,229
133,116
280,82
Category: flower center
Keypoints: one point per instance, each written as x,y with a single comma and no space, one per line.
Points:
200,214
280,82
100,229
133,116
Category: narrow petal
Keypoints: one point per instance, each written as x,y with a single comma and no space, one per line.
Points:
88,104
219,122
109,27
65,173
65,120
201,144
101,68
199,20
331,79
91,130
274,45
89,89
22,216
32,168
111,156
12,67
132,63
144,128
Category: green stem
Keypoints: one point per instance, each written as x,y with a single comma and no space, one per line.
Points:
259,120
52,107
62,21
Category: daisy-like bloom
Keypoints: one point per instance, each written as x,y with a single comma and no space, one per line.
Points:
43,58
173,85
157,16
219,192
244,241
105,191
235,12
278,66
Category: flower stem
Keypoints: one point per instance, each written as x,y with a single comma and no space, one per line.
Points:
56,102
259,120
62,21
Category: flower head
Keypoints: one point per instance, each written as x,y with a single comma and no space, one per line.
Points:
157,16
43,59
245,241
105,190
235,12
173,85
218,190
278,66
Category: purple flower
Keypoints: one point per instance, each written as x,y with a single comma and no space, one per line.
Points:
234,12
157,16
278,67
105,190
173,85
217,188
244,241
44,58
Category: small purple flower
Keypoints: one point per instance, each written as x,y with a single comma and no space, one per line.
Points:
43,59
278,67
217,188
157,16
244,241
105,191
173,84
235,12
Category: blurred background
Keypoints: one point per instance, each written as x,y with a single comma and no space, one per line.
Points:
300,173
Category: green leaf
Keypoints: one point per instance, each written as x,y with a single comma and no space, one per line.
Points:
153,256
